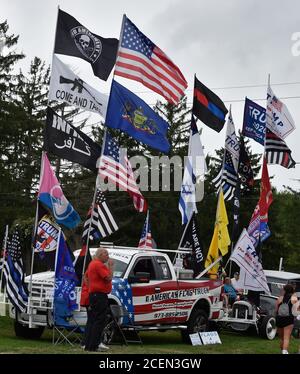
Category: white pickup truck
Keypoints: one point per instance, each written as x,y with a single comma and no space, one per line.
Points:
155,294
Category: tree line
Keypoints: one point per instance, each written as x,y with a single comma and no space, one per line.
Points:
23,103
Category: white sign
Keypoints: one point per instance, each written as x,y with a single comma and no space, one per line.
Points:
210,337
68,87
195,339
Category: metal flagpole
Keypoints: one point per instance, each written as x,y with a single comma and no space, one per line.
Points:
3,255
33,247
88,235
92,209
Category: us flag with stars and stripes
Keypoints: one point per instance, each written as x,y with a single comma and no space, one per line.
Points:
146,237
277,152
100,218
14,274
141,60
115,166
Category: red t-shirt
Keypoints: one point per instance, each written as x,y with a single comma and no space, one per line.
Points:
97,272
84,298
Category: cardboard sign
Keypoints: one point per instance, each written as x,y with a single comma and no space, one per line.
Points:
195,339
210,337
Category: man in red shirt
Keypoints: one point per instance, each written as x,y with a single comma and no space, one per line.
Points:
99,273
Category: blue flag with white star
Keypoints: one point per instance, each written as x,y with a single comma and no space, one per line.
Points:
130,114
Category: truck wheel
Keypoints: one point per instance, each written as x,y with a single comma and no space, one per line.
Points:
27,333
198,322
267,328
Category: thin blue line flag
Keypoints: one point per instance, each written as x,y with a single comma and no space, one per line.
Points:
130,114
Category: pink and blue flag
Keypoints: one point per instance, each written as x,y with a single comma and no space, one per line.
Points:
52,196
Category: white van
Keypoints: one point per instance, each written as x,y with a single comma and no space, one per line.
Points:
277,279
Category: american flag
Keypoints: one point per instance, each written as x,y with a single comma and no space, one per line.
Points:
103,223
122,290
14,274
115,166
141,60
146,238
277,152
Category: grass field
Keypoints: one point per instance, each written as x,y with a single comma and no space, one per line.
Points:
153,342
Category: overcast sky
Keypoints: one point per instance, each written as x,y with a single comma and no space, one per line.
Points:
230,43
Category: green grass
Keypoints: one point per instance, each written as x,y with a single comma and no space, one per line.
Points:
153,342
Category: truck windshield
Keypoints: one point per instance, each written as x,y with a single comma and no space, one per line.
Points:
119,268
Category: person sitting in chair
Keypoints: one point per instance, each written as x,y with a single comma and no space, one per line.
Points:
229,292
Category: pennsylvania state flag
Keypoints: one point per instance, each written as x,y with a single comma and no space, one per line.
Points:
130,114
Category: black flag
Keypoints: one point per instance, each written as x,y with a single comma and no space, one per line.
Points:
190,239
245,170
73,39
66,141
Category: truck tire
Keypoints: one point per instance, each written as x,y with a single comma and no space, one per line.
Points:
25,332
198,322
267,328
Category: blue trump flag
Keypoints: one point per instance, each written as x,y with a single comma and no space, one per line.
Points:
254,125
65,276
128,113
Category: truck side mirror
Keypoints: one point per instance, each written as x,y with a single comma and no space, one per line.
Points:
139,277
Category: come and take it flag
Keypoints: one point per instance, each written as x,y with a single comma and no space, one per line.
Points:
208,107
141,60
279,119
73,39
14,274
277,152
191,239
51,195
128,113
67,142
115,166
192,188
220,240
100,221
65,276
258,228
146,237
245,256
68,87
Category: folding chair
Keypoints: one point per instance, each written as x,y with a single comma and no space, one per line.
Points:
124,324
65,327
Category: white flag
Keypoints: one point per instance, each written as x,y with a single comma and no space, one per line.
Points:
231,142
252,276
68,87
192,187
279,119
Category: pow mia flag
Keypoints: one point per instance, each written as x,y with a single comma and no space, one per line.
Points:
190,239
68,87
73,39
65,141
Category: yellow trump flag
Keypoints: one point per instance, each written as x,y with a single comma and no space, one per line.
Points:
220,240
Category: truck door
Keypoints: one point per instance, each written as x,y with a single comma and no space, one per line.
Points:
154,302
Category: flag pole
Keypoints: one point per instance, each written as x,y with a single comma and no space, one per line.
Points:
88,234
120,39
3,255
54,44
32,246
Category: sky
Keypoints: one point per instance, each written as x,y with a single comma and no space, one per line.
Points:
231,46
